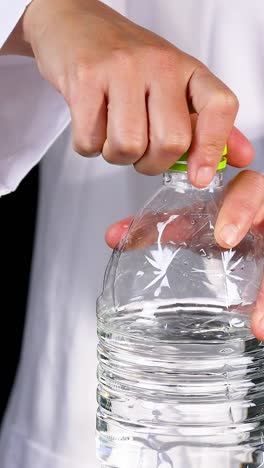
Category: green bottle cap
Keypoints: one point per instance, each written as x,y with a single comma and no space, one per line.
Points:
181,164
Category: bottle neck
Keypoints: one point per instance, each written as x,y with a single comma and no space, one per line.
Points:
180,182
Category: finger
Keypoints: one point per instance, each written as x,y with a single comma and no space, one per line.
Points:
257,321
240,150
169,126
127,127
145,231
243,199
216,107
259,219
88,112
116,231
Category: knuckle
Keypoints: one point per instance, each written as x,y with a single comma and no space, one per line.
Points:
133,146
80,77
177,144
90,147
123,57
83,72
145,169
113,157
166,59
201,68
227,101
163,56
210,150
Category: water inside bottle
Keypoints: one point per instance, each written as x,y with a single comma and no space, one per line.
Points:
180,385
181,377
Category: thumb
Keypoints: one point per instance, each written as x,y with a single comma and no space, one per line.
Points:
243,199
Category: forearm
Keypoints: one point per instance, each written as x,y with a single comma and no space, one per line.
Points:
16,44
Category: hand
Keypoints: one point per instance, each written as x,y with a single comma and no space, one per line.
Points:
243,208
130,91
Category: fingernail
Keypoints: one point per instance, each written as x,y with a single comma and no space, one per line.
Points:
204,176
229,234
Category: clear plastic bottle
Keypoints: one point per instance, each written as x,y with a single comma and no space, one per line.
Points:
181,377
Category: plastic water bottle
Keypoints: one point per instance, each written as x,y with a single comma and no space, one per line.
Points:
181,377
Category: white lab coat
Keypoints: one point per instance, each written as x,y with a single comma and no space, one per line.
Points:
51,415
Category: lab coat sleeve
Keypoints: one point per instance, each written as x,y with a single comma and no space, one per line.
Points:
32,113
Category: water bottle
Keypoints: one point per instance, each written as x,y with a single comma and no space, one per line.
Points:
181,376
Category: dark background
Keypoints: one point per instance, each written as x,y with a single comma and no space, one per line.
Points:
18,220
